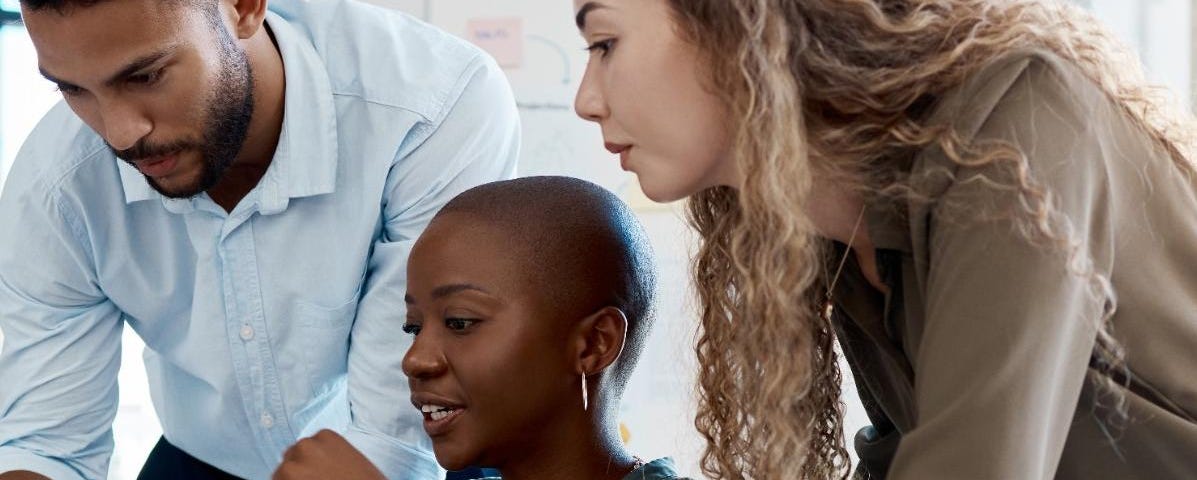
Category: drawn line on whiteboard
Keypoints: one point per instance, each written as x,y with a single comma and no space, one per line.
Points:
544,106
560,51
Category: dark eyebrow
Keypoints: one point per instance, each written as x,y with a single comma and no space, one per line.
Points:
139,65
54,79
588,7
446,290
128,70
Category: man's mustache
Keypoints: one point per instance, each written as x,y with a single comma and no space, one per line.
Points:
144,150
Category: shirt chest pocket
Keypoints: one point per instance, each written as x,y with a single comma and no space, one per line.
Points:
325,340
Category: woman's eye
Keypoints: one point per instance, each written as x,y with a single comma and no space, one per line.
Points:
411,328
603,47
459,324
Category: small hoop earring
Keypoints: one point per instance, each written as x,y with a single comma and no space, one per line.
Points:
585,394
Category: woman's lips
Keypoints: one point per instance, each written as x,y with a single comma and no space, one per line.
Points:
441,425
616,148
621,150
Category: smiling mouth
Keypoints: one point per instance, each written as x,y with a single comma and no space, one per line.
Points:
437,412
438,419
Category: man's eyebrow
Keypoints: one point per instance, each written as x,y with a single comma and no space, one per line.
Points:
588,7
129,69
53,79
139,64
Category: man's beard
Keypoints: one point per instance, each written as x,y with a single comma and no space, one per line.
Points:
226,124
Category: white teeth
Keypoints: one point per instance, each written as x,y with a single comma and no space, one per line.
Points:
437,412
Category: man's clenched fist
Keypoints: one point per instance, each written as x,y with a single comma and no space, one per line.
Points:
325,455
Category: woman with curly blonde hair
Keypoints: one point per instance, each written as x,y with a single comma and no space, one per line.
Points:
981,200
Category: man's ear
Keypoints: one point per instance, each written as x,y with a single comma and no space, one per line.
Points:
245,16
599,339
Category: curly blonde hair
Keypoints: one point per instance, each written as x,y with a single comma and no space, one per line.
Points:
829,89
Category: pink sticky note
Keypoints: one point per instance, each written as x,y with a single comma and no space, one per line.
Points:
503,38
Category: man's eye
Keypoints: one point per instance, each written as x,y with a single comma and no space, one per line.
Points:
146,78
68,89
411,328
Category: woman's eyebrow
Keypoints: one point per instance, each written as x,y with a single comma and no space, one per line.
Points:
587,7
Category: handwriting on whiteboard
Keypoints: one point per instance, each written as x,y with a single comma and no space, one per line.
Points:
502,38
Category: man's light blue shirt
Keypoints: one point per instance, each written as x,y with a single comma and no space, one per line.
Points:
263,324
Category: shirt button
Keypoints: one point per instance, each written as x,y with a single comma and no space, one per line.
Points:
267,421
247,332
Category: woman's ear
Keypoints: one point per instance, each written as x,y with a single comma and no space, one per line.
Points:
599,339
245,16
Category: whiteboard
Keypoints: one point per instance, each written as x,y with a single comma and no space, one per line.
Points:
555,140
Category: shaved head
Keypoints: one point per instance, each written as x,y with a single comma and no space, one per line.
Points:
577,242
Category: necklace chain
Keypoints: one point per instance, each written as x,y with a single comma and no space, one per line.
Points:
828,301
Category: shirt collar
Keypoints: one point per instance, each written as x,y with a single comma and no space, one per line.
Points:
305,160
659,469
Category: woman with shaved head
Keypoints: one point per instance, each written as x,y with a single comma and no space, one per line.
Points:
530,301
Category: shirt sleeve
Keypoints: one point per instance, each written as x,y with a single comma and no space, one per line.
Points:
61,351
1011,322
477,142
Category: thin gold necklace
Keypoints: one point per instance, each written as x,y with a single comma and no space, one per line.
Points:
828,300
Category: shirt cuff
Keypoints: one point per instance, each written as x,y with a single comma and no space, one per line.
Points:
12,458
396,460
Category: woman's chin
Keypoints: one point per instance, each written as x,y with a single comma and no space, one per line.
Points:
663,191
666,186
453,460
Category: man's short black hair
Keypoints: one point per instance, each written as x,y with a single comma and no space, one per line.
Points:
580,243
66,6
58,5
